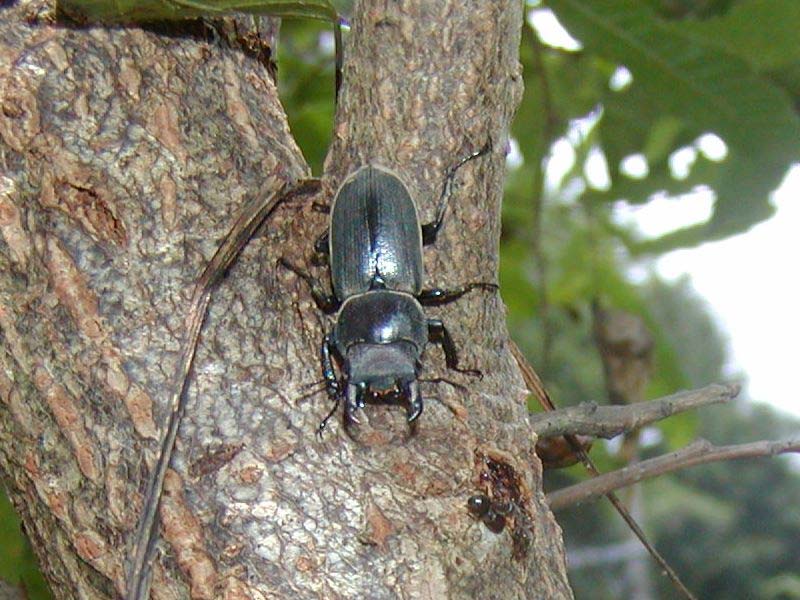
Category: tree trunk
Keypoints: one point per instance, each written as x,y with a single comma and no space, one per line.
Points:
125,156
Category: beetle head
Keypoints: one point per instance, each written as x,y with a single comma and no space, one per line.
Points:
383,371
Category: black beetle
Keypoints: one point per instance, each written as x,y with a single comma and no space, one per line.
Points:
374,244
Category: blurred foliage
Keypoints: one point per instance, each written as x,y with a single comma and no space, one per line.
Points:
17,563
649,79
147,11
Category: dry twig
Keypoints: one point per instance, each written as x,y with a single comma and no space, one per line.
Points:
697,453
610,421
250,219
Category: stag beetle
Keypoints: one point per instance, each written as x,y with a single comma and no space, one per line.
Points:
374,247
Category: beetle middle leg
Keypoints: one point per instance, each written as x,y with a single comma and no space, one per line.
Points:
438,334
438,296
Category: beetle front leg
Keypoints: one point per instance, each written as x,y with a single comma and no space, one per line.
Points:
326,358
327,303
332,385
437,296
438,334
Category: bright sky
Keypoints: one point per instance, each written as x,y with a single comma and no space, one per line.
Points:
746,279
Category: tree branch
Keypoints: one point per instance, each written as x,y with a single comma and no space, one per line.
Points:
532,380
610,421
698,453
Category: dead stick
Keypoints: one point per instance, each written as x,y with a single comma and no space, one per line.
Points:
249,220
696,453
610,421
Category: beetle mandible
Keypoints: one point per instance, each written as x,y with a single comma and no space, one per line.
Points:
374,246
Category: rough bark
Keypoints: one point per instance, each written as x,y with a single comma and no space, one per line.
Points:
125,155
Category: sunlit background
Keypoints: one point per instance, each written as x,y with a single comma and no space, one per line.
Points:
750,280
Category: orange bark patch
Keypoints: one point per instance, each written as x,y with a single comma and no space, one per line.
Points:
405,472
237,108
250,474
184,533
166,128
236,589
92,548
140,409
72,290
379,528
57,502
69,421
81,302
169,205
304,564
17,239
279,451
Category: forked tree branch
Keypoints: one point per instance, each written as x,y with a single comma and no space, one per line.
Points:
697,453
610,421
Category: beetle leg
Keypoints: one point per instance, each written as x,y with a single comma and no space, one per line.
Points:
332,385
321,250
327,418
327,303
438,334
437,296
431,230
331,382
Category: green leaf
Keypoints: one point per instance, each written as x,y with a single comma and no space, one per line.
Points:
140,11
762,32
702,87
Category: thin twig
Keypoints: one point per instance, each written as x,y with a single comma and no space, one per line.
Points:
610,421
697,453
250,219
535,384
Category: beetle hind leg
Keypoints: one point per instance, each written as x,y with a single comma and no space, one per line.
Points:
327,303
431,230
